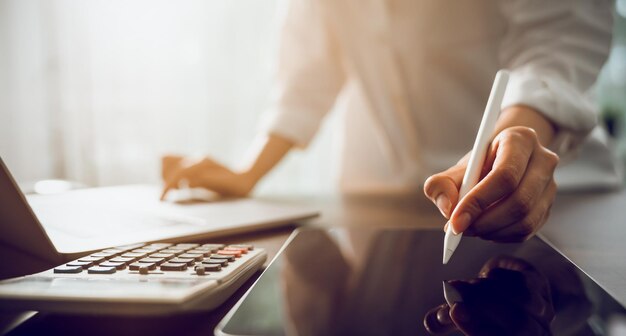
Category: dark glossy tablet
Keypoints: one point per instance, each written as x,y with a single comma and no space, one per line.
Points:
391,282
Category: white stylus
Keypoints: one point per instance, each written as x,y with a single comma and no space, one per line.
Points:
479,151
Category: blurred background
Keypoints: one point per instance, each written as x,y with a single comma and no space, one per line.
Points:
96,91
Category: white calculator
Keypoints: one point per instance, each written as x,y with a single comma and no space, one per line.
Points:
141,279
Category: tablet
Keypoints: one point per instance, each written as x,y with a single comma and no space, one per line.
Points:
391,282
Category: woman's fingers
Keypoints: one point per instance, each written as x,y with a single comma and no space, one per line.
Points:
208,174
171,183
513,149
511,201
532,195
187,170
169,165
527,226
443,188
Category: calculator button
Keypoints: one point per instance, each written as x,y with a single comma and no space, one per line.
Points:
194,256
83,264
213,247
152,247
143,251
113,251
208,268
68,269
125,260
177,248
136,266
204,253
243,246
235,254
129,247
117,265
202,248
160,245
165,256
221,262
187,261
91,259
103,254
242,250
172,251
173,267
221,256
133,255
187,246
101,270
151,260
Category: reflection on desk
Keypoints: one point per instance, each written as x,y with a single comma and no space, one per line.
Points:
588,228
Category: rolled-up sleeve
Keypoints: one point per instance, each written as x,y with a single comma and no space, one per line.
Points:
555,50
309,73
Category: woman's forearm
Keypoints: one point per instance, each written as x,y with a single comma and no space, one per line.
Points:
265,155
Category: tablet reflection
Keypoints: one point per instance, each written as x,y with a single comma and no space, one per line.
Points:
389,283
509,296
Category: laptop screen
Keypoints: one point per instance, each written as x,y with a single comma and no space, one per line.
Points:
391,282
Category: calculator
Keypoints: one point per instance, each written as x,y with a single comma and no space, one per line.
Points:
140,279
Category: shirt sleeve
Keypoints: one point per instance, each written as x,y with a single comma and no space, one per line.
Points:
309,74
555,50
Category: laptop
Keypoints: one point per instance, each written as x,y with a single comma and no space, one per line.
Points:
41,231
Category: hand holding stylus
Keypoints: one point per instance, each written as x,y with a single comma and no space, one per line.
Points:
515,188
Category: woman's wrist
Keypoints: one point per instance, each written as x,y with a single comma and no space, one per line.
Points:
267,152
249,177
522,115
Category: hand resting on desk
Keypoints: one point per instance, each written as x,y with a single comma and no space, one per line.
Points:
205,173
209,174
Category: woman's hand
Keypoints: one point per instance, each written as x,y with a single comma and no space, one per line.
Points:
204,173
514,196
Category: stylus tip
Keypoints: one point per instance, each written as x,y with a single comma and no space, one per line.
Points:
447,254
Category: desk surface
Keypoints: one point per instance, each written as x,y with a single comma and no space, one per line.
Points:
588,228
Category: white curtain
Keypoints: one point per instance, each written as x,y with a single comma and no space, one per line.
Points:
97,91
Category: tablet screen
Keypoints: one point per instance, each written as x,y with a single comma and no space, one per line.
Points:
391,282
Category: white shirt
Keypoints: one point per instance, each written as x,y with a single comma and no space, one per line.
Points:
411,77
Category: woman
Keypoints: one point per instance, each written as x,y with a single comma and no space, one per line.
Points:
410,79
